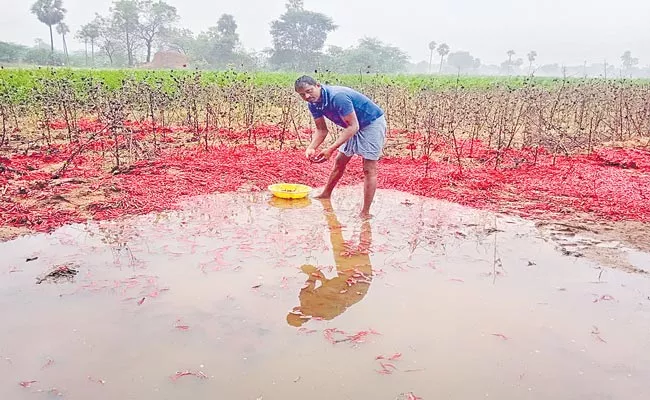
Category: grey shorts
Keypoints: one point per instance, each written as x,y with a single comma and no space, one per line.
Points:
368,142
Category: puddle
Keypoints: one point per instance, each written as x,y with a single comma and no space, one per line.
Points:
265,301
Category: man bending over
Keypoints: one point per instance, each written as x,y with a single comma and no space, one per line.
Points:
364,132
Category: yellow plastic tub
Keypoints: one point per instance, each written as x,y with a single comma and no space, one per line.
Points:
290,190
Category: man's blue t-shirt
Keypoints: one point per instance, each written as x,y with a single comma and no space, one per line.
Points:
339,101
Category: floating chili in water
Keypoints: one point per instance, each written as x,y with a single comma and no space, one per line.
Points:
393,357
180,326
181,374
501,335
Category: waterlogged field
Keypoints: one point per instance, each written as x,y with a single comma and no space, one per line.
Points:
144,257
248,297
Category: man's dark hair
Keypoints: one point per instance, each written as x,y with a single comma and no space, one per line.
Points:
305,80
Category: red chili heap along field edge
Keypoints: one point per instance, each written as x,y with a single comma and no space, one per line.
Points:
611,184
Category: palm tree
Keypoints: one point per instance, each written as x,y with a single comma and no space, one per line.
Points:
49,12
432,47
510,53
443,50
90,32
531,59
628,60
81,35
62,29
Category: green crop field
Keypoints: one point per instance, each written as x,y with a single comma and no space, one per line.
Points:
22,80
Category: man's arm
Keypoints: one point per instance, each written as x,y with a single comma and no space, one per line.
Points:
352,127
345,108
319,136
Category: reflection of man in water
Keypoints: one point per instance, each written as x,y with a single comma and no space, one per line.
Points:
327,298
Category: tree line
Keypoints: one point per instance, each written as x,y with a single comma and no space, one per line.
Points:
133,30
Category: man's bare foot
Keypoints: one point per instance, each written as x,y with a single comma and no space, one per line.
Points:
323,196
364,215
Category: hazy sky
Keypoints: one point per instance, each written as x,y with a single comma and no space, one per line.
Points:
562,31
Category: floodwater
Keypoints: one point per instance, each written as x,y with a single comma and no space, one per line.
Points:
266,300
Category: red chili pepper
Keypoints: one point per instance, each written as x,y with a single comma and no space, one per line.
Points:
180,326
605,297
611,184
181,374
393,357
387,365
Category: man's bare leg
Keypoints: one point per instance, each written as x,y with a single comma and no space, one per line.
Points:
369,186
339,168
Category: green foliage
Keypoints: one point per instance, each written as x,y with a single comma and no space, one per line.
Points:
125,16
628,60
49,12
11,53
219,46
110,39
89,33
177,39
369,56
40,56
463,61
155,18
62,28
298,38
226,40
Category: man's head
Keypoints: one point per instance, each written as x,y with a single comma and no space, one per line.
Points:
308,88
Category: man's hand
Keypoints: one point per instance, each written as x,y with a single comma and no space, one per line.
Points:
324,155
350,130
317,138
